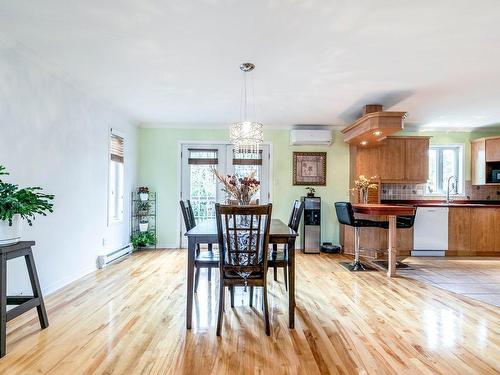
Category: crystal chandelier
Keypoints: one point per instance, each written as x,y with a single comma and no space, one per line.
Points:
246,135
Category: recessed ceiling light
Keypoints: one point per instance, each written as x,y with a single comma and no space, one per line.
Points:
377,133
364,143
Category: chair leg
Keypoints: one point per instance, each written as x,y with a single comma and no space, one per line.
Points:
274,255
37,291
231,291
266,312
3,304
285,274
196,279
251,296
221,308
210,248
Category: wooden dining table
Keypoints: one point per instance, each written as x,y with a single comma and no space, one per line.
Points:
206,233
392,211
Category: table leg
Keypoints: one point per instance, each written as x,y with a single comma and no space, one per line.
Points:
391,262
291,284
190,276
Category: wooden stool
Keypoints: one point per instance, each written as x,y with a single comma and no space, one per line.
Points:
23,303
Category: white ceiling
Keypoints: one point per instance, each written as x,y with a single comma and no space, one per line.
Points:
318,61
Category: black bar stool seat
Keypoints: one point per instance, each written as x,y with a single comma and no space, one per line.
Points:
22,303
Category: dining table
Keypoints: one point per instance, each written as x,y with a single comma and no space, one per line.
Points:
392,211
206,233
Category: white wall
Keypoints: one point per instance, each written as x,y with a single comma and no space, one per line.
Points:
55,136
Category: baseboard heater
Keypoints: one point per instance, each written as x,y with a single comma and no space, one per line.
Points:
104,260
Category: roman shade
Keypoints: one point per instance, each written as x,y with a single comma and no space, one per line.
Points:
116,148
202,156
250,158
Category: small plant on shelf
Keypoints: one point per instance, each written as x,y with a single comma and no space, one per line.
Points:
143,192
310,191
143,207
143,225
143,239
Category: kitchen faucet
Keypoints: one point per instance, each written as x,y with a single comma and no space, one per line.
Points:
448,187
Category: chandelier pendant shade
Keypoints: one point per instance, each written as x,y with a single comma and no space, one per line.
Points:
246,135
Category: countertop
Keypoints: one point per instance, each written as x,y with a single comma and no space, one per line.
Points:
442,203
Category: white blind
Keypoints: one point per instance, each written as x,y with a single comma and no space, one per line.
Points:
116,148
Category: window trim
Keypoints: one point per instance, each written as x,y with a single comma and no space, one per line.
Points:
460,158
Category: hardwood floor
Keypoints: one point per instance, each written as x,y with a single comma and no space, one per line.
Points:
130,319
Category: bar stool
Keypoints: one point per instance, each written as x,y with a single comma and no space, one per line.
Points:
345,215
23,303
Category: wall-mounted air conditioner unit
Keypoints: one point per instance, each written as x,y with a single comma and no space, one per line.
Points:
311,137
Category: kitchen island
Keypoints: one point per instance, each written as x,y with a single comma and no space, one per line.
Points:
473,230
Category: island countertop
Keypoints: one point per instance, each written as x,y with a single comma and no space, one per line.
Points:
442,203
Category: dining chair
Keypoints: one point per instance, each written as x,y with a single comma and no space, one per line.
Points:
206,259
243,236
279,259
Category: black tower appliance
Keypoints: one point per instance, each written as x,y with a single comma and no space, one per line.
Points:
311,225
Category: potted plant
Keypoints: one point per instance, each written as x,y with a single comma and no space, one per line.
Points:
143,225
143,239
143,193
17,204
143,207
310,191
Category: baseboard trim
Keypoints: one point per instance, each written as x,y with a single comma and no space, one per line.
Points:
59,284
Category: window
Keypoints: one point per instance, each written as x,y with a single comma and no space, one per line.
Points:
445,162
116,179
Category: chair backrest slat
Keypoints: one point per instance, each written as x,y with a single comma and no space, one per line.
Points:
243,233
297,209
188,221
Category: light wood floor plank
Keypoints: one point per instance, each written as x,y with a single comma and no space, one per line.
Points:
129,319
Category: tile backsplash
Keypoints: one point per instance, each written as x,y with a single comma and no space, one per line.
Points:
417,191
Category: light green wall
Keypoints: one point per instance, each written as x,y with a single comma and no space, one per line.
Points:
158,169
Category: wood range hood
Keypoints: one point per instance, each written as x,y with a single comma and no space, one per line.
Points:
374,126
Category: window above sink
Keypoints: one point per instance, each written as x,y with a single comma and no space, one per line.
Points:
445,161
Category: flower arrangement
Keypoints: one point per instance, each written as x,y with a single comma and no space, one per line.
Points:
240,189
362,185
143,190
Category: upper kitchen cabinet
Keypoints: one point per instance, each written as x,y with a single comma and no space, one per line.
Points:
486,161
395,160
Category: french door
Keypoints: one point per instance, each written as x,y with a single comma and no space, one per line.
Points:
199,185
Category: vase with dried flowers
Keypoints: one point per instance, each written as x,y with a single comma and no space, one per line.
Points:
362,185
239,189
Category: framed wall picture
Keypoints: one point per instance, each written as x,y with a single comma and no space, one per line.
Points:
309,168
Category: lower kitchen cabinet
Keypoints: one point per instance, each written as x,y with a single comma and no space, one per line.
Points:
473,231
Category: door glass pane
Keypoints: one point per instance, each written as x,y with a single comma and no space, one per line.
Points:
203,193
449,167
433,173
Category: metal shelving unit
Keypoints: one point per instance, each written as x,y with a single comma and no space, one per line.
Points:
142,211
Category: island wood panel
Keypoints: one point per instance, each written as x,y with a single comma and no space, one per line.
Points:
373,242
493,149
459,235
417,154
